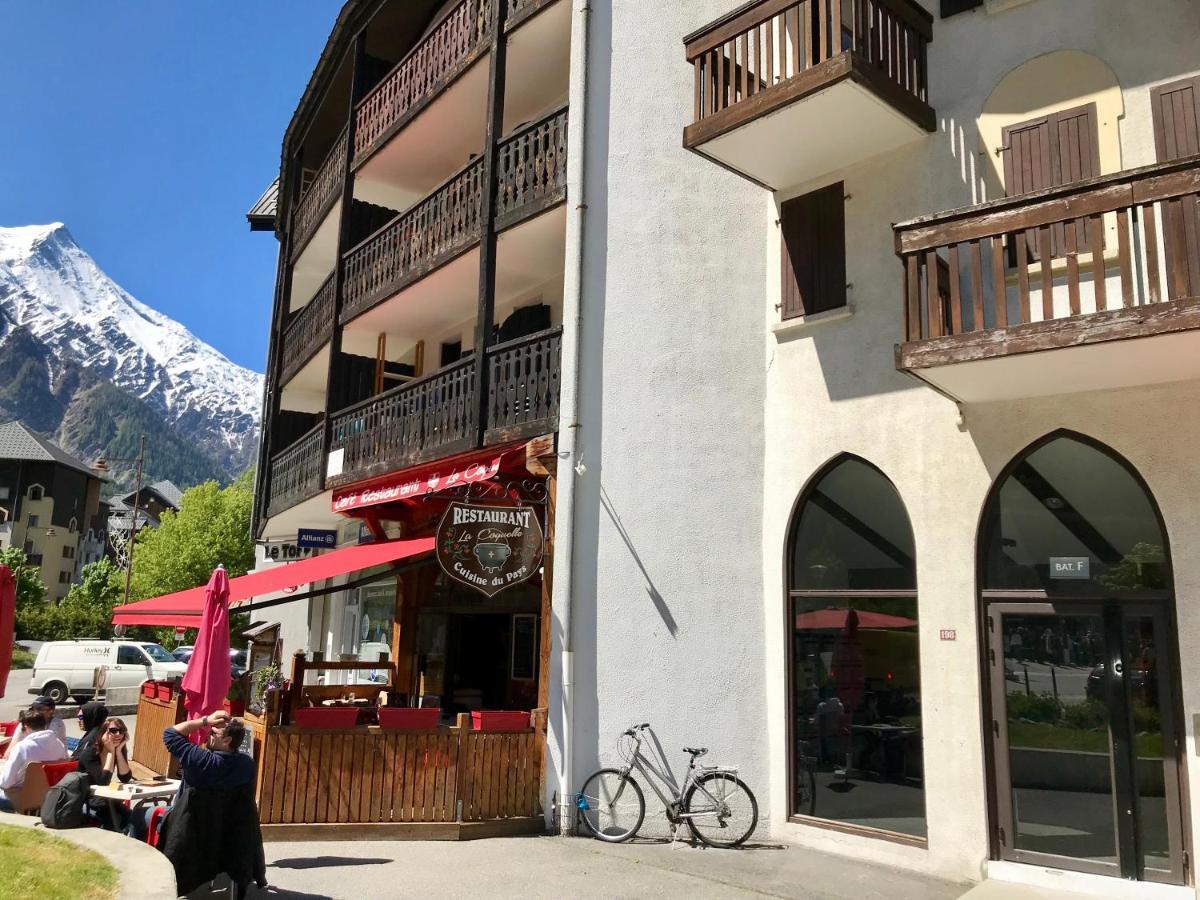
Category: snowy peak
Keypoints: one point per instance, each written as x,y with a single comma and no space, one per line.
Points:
52,288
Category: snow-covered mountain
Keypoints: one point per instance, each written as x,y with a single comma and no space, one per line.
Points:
70,325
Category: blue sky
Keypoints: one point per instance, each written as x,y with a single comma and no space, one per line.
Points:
150,127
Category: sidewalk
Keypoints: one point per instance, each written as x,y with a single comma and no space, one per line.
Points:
555,867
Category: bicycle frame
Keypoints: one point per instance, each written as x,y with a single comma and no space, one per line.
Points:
653,775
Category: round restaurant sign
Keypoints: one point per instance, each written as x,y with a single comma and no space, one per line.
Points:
488,547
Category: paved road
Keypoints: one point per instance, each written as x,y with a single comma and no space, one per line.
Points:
17,697
554,867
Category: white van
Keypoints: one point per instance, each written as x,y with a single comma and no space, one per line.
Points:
68,668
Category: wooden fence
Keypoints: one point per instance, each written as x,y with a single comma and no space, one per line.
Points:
368,775
153,717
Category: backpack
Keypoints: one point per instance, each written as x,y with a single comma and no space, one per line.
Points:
63,806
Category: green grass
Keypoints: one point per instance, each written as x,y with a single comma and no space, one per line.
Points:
34,864
1042,736
22,658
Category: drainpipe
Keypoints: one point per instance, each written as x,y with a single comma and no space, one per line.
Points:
569,457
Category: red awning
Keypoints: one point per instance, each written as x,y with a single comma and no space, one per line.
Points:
416,482
832,618
183,608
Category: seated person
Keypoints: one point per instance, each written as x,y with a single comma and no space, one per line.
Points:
47,707
33,743
103,753
213,825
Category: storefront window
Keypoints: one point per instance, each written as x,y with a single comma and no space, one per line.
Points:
856,753
1071,518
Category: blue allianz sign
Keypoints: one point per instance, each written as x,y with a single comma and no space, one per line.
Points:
316,538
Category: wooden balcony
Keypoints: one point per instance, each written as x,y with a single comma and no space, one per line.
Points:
321,196
296,473
309,331
789,90
438,414
1089,286
531,177
428,69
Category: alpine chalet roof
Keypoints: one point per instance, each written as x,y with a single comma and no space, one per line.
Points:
18,442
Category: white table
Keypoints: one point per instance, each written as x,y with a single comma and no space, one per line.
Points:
136,793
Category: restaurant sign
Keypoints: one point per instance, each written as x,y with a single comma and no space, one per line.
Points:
489,547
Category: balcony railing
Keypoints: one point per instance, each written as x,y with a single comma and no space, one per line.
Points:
438,415
324,191
532,167
523,382
1087,253
296,472
768,54
309,331
409,423
415,242
428,68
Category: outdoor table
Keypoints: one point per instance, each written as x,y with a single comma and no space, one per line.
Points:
136,793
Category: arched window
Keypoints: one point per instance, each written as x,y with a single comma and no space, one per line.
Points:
1070,517
73,526
855,692
36,492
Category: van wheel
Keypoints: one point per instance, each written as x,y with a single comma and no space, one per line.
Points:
56,691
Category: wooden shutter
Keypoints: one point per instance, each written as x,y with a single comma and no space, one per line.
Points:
1052,150
814,252
1176,108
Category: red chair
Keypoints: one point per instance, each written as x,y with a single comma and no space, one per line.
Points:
55,772
8,729
156,817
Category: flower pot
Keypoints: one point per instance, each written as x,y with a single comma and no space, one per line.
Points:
321,717
404,719
164,691
496,720
235,707
149,688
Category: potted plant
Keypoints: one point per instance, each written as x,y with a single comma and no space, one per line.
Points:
263,681
402,718
235,700
165,690
150,688
499,720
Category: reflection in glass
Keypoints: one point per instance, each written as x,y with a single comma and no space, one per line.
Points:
1142,674
1058,736
857,712
1068,499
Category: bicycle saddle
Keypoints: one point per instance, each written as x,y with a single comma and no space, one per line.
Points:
695,751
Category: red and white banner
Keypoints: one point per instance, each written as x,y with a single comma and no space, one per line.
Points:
417,483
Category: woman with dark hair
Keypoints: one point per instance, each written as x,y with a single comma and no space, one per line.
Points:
91,717
102,753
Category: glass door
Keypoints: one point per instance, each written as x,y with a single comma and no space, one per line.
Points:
1085,739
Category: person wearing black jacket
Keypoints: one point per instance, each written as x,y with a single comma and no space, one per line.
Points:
212,827
102,753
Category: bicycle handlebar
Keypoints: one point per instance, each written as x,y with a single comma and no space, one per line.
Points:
631,730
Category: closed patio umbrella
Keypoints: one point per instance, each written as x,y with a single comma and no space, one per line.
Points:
8,611
207,679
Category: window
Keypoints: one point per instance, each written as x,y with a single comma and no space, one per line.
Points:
855,693
64,577
68,552
28,548
1073,503
451,352
33,520
73,526
36,492
1176,108
131,656
813,229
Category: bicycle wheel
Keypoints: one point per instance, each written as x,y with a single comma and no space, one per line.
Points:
610,806
721,810
806,792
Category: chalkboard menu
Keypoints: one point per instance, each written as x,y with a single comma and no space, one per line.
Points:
524,647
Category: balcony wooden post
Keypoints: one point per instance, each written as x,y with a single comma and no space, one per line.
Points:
497,62
357,88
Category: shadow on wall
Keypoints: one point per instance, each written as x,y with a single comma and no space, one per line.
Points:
659,604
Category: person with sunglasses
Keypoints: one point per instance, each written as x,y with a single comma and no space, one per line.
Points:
103,753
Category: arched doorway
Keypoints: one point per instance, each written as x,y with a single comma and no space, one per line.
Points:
854,691
1075,577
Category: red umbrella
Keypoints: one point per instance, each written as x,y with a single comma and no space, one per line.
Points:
207,679
834,619
8,612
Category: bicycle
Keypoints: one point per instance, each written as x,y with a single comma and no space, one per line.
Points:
717,806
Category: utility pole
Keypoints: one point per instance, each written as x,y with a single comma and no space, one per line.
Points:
137,496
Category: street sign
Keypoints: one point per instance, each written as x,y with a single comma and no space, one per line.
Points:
316,538
180,632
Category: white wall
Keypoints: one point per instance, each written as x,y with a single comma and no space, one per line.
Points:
668,618
834,389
